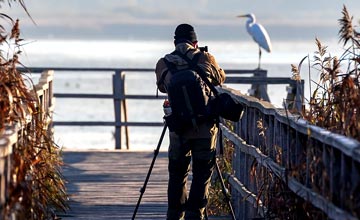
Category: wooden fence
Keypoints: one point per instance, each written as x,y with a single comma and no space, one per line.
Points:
9,138
257,78
321,167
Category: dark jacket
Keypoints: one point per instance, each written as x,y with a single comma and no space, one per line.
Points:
208,64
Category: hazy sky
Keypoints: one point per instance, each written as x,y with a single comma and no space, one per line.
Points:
105,18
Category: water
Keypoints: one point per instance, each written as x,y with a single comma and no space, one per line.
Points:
139,54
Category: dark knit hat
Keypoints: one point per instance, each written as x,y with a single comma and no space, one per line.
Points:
186,32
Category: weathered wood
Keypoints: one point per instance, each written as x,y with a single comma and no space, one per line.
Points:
118,96
7,142
106,96
260,80
106,123
313,170
257,77
10,135
103,69
125,113
106,184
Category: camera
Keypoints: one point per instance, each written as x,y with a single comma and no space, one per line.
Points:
204,49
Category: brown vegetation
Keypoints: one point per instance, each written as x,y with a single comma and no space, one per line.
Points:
335,102
36,189
334,105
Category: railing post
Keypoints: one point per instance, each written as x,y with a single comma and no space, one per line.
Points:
51,103
118,96
5,154
299,96
124,107
260,90
295,96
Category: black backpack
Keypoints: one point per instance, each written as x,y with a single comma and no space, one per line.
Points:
189,102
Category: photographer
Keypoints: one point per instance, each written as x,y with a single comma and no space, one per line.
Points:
196,144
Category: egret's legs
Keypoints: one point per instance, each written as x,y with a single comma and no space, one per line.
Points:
259,58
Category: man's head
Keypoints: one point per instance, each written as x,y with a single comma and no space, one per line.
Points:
185,32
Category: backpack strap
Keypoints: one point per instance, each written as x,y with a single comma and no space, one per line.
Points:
202,74
170,66
193,65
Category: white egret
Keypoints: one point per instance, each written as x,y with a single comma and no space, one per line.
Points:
258,33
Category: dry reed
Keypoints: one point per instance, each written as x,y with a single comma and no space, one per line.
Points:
335,102
36,189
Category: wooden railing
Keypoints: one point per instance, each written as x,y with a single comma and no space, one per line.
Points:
257,78
321,167
9,138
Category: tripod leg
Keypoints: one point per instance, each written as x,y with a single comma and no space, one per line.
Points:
206,215
156,152
224,190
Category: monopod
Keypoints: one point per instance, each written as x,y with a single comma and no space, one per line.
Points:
156,152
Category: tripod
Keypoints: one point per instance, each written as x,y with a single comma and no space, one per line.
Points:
223,188
156,152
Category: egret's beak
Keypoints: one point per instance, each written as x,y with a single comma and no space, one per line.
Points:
242,16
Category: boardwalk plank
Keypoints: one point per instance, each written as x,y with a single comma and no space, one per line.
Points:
106,185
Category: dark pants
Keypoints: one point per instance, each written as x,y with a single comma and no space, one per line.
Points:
181,152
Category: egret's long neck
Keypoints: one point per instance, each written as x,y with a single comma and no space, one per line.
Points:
249,23
251,20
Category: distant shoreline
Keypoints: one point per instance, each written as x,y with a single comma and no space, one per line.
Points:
162,32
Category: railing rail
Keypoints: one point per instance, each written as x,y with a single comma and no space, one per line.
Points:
321,167
257,78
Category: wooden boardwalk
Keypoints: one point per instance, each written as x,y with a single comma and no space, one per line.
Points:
106,185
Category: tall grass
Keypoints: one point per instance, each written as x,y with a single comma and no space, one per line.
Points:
334,104
218,204
335,99
36,189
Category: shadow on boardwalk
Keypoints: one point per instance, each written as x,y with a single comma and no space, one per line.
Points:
106,185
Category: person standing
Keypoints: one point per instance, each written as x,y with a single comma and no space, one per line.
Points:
196,145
